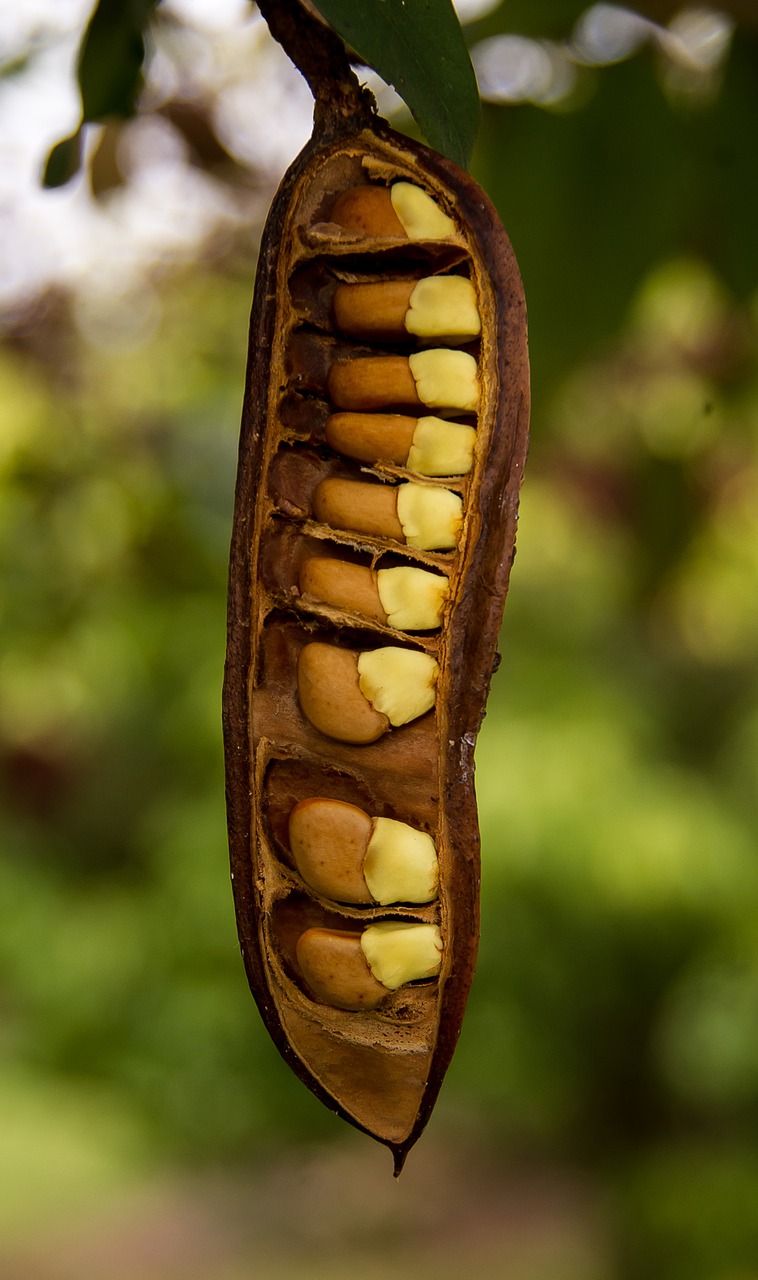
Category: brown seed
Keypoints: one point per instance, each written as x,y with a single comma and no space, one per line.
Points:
329,840
372,437
344,585
330,695
373,382
368,211
359,507
404,210
435,309
336,970
375,312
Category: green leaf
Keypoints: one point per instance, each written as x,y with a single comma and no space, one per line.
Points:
63,161
111,58
110,76
418,47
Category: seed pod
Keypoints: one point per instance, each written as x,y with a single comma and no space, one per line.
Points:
305,660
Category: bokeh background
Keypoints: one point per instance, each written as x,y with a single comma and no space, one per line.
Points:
599,1119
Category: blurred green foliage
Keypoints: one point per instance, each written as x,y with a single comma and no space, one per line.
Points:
614,1020
109,73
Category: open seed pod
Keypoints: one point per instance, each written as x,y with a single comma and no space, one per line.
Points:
353,695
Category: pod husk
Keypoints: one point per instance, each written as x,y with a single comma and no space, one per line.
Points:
380,1070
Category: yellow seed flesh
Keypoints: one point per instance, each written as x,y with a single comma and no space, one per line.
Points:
400,952
430,518
442,448
412,599
445,379
400,863
421,218
398,683
444,309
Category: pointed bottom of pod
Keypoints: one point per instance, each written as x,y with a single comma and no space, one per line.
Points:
379,1091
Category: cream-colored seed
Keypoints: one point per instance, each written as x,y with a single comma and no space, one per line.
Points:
398,683
335,968
444,309
412,599
329,840
445,379
400,863
441,448
430,518
329,692
398,952
421,218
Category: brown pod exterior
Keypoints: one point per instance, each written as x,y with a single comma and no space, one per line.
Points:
381,1069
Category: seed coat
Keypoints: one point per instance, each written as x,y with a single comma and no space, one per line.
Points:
331,698
335,967
329,840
